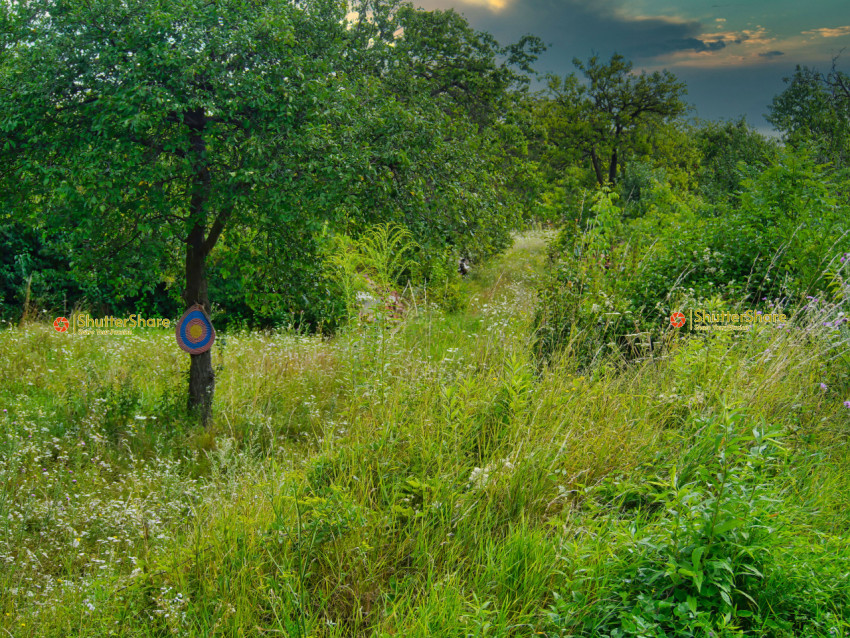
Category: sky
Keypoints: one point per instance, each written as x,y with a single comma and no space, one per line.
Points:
733,55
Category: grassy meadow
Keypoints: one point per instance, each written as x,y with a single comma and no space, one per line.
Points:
424,478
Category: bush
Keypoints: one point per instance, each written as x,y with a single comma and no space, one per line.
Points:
38,274
729,153
581,313
707,550
577,320
775,244
614,283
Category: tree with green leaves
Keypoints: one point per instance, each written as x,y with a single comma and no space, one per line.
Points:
149,127
452,92
814,110
463,69
729,152
604,117
146,132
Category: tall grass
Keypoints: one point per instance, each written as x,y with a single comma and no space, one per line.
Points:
427,482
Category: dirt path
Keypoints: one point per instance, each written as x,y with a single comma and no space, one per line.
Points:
509,283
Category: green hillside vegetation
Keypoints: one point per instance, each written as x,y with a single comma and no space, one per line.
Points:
376,445
427,481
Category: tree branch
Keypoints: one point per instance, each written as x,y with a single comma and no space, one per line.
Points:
217,228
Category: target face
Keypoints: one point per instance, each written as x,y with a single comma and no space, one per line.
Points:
195,333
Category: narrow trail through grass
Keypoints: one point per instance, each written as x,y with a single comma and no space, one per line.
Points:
517,273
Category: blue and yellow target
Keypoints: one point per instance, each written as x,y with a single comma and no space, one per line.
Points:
195,333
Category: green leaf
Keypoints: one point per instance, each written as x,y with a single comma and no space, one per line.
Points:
698,578
696,556
728,525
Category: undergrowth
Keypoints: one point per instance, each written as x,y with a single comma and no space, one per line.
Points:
427,481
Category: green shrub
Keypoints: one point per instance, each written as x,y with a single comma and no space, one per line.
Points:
578,320
435,274
581,313
729,153
775,244
706,551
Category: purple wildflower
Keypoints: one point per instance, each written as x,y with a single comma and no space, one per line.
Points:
847,404
823,387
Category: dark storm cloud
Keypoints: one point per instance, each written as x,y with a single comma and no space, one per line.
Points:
771,54
579,27
652,49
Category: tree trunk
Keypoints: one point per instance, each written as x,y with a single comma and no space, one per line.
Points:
201,375
597,167
612,169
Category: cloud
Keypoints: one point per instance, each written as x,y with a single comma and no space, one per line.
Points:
756,36
493,5
702,45
586,25
829,32
654,49
733,58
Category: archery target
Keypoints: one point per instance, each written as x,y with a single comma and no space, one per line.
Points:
195,333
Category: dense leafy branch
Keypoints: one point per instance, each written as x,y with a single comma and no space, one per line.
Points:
604,115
